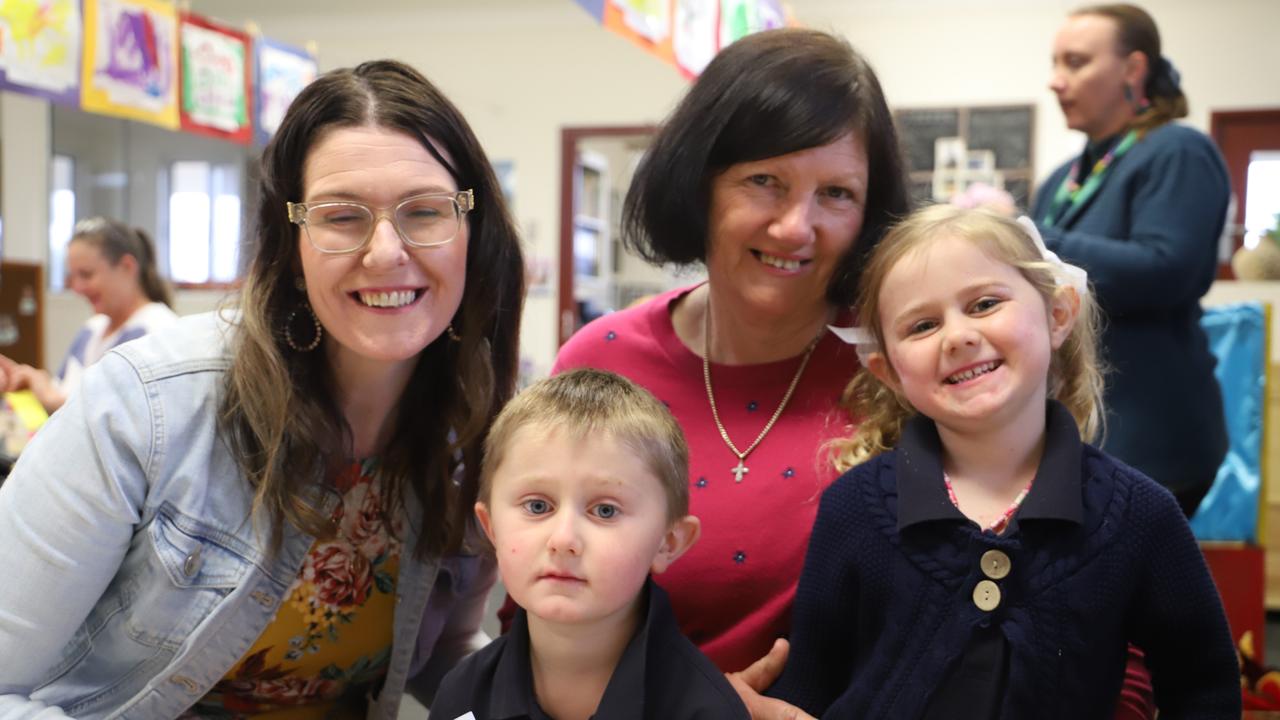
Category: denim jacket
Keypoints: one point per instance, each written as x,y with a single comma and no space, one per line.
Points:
132,580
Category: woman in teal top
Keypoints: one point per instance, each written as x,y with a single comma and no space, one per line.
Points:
1141,209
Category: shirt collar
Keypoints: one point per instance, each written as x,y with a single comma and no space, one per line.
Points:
1093,152
1055,494
512,691
623,698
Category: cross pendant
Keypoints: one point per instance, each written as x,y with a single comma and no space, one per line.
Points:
739,471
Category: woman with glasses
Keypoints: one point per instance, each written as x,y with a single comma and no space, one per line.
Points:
268,509
113,266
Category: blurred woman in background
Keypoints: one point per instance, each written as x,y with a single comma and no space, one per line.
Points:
1141,209
113,266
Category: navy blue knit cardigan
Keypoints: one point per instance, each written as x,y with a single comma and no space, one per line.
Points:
1100,556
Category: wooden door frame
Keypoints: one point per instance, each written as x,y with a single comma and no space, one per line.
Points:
570,137
1219,122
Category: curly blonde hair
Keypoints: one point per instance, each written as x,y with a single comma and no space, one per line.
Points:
1075,373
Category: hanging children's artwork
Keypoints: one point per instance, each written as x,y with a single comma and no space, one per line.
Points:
686,33
650,19
694,35
282,73
40,48
130,66
215,80
740,18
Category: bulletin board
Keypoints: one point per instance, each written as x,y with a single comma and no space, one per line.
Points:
22,312
996,139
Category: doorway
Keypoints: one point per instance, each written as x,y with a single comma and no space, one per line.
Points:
1250,143
597,275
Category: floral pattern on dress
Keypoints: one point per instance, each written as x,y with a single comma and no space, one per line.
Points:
333,629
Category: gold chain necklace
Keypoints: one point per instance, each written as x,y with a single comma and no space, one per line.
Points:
741,468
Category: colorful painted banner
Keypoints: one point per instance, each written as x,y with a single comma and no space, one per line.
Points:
687,33
130,66
740,18
650,19
695,38
215,80
40,48
282,73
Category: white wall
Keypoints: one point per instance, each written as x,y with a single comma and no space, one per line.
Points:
522,69
931,52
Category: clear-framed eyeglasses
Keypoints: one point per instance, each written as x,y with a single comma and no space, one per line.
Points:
421,221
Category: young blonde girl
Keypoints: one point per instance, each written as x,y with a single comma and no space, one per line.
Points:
980,560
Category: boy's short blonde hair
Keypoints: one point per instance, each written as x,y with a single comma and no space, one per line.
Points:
590,402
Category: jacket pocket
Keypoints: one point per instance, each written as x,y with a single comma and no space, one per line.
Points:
184,569
177,571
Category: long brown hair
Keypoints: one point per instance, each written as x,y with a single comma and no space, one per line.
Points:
114,240
1136,30
278,412
1075,375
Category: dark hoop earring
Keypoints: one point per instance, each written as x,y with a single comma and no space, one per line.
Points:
288,329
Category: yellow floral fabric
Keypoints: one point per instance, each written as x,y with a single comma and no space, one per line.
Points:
332,633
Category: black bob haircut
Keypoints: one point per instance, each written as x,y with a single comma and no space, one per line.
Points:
768,94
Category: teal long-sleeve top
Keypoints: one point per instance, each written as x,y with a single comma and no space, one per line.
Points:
1149,240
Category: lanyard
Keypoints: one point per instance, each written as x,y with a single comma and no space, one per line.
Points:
1071,193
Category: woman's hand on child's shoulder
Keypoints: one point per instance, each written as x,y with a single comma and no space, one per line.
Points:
757,678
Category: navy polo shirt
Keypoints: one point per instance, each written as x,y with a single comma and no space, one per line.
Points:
974,688
660,676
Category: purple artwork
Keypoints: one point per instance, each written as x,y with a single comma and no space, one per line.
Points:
135,54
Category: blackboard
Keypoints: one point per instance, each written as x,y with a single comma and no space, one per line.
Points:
1020,189
921,192
919,128
995,143
1007,131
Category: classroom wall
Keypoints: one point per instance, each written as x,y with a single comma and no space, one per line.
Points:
522,69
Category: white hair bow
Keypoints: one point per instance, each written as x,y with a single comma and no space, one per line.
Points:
1064,272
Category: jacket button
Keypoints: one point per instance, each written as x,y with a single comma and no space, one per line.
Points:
187,683
263,599
995,564
192,564
986,595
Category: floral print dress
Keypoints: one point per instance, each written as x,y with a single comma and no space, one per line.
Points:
332,632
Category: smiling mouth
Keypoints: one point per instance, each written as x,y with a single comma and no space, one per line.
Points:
973,372
780,263
383,299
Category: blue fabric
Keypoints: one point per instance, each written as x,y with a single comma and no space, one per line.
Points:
1149,240
1237,336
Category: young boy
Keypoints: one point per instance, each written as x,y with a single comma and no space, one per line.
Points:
584,491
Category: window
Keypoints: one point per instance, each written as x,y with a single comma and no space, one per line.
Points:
188,192
1262,204
62,216
204,222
